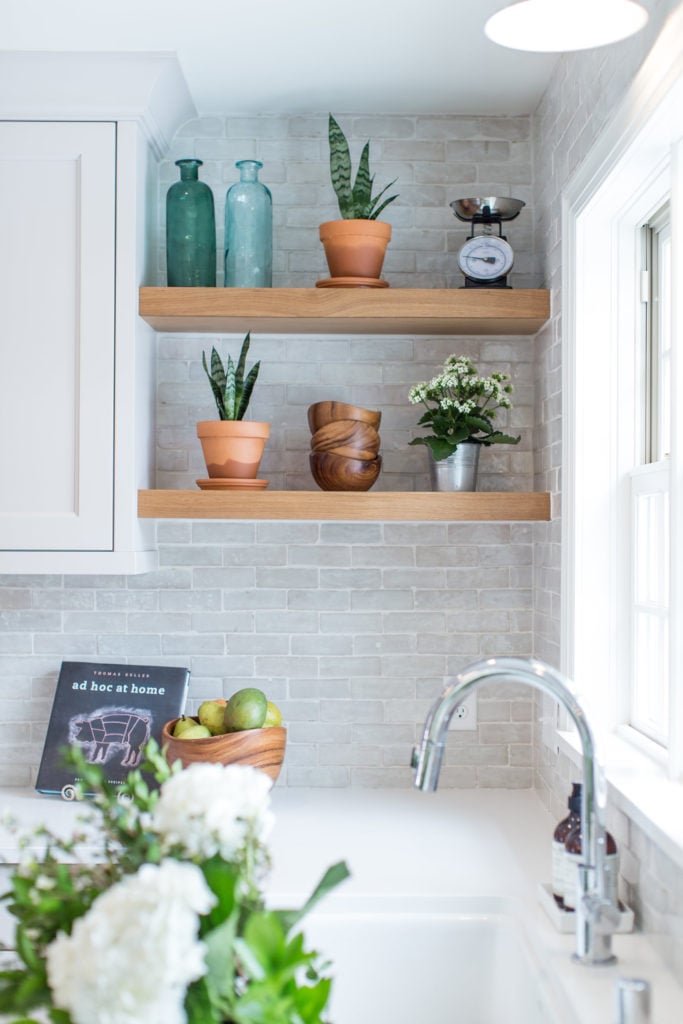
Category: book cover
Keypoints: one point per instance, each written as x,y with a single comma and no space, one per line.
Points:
110,711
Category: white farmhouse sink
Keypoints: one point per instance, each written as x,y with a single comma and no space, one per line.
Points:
463,962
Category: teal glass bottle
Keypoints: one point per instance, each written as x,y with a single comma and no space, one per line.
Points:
248,230
190,230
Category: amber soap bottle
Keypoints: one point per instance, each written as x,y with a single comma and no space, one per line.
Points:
573,849
560,834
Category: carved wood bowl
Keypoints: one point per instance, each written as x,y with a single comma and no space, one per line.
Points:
260,748
347,434
322,413
338,473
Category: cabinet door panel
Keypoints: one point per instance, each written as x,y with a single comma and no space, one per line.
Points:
57,252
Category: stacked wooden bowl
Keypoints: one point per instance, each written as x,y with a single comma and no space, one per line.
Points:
344,446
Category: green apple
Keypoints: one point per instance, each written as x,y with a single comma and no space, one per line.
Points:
211,714
246,709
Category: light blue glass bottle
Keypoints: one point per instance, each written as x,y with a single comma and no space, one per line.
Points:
248,230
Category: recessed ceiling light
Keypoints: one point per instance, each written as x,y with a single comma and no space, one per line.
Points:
553,26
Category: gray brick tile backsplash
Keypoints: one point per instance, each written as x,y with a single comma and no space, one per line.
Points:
353,627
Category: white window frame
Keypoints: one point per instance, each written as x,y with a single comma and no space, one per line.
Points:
635,165
655,401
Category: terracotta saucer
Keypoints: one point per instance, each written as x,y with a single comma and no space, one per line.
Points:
231,484
352,282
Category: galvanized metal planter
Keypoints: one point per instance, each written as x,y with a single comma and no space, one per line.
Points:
459,471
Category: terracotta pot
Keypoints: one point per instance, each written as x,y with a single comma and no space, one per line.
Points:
260,748
232,448
355,248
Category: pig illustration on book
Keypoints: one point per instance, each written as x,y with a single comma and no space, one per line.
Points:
107,732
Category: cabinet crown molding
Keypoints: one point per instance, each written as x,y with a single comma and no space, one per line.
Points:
108,86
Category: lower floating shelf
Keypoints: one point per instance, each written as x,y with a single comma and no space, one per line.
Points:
491,506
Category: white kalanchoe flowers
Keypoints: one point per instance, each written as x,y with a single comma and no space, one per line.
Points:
130,958
211,809
461,406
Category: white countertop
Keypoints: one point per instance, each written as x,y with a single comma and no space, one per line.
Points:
436,846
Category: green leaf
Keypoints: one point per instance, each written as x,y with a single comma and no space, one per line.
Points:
479,423
31,991
220,944
229,391
216,388
340,168
311,1000
250,962
375,213
242,362
222,879
247,390
59,1016
362,188
26,949
498,438
440,449
266,938
333,877
217,371
198,1004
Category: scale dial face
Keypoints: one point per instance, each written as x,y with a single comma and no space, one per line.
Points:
485,257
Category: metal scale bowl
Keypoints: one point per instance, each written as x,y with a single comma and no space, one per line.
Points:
486,259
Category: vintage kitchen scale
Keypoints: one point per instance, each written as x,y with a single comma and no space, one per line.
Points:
486,258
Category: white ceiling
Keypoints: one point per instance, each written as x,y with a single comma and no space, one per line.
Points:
271,56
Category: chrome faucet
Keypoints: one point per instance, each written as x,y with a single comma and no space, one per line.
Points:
596,914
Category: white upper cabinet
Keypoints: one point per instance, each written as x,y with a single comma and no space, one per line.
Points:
57,262
80,135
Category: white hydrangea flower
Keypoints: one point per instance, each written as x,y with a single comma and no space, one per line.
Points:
210,809
131,957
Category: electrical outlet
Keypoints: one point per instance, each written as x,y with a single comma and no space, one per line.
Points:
465,715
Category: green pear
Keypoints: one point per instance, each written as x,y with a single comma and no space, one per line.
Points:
182,725
273,716
195,732
211,714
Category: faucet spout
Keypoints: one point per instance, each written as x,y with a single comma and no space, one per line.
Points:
596,914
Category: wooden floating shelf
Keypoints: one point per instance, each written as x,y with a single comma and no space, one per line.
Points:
489,506
346,310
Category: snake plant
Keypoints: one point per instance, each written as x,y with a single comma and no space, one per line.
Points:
231,389
356,201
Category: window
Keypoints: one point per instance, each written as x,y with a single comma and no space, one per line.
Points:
649,673
622,467
656,295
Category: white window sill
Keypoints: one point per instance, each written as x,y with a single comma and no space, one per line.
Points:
639,787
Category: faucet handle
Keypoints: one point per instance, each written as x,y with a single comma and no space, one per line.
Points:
601,911
415,757
633,1001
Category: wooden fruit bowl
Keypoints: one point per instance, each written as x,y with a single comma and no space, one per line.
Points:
339,473
322,413
260,748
